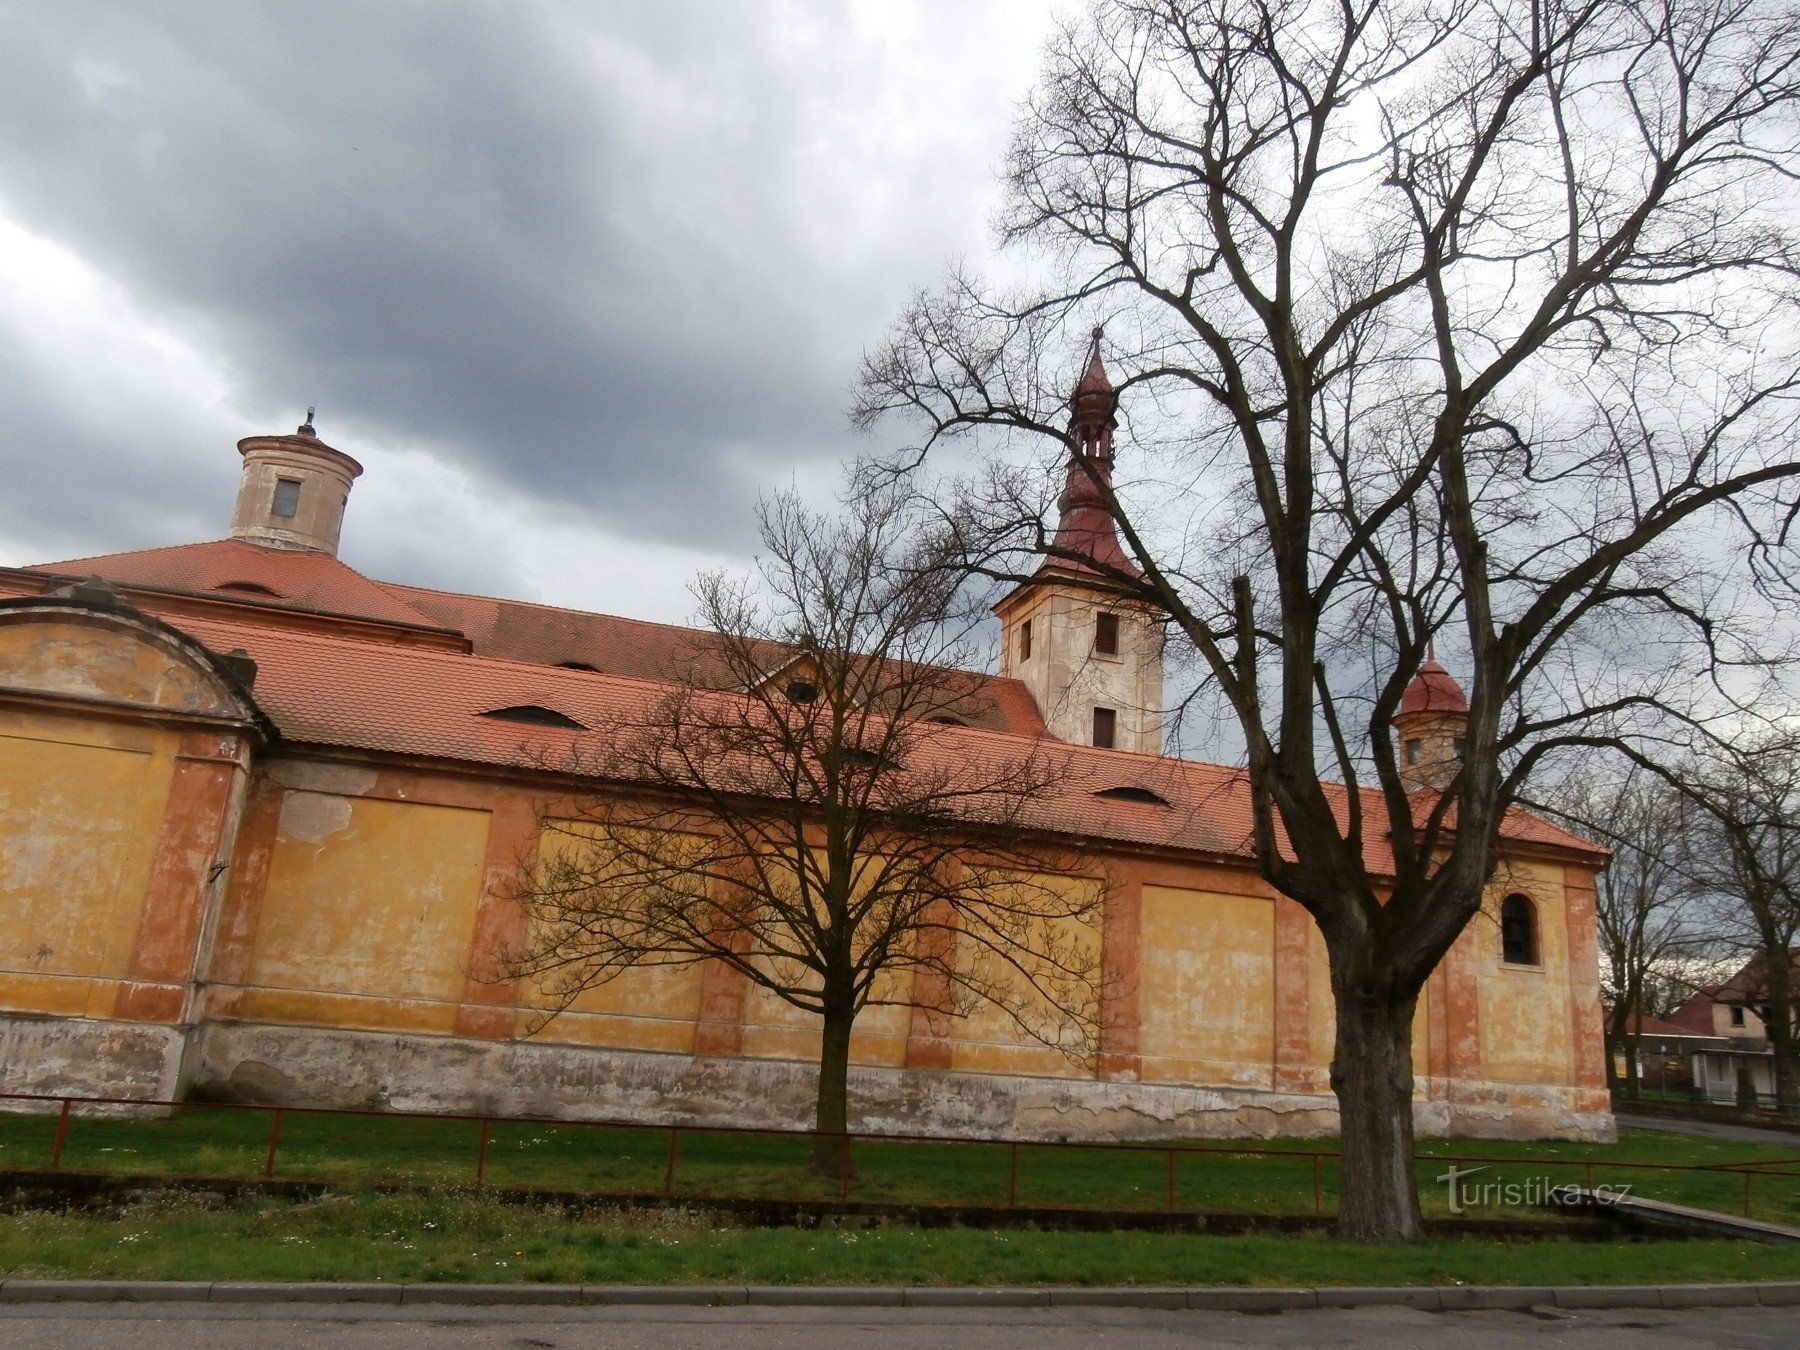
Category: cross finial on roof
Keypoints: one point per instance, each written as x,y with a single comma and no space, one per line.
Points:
1099,332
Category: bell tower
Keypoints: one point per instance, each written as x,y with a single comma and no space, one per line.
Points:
293,491
1433,717
1091,656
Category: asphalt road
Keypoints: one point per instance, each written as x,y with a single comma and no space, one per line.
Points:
288,1327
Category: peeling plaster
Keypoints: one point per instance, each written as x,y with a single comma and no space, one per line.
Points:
313,817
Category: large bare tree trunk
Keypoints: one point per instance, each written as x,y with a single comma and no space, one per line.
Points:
1371,1073
831,1121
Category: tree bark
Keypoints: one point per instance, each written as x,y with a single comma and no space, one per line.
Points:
1371,1072
831,1121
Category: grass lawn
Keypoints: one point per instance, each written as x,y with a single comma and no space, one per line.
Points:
208,1141
451,1235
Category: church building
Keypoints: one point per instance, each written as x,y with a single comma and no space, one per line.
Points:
260,815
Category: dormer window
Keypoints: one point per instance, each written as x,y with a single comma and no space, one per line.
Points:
801,691
1106,727
532,714
1737,1017
246,588
287,498
1106,634
1131,793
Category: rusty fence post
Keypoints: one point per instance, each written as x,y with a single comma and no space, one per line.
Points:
62,1136
481,1153
1171,1189
1012,1173
844,1167
669,1170
1590,1178
1318,1186
274,1144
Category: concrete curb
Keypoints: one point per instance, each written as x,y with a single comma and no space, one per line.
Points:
1451,1298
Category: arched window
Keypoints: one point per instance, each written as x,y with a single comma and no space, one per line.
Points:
1518,931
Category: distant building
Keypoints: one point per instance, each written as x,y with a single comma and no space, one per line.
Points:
258,815
1741,1065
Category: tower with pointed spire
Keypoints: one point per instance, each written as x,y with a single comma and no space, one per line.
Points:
293,491
1091,656
1431,723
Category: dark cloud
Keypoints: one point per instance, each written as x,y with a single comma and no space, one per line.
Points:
618,262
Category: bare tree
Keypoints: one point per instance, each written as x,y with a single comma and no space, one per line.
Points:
1650,912
806,806
1747,796
1467,320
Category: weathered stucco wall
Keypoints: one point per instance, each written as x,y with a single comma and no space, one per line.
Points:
367,913
80,807
1207,988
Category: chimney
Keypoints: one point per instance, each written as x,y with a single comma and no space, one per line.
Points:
293,491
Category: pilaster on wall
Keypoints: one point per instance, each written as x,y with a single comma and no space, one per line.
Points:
723,987
1293,1071
1587,1034
1462,1009
165,952
1121,957
486,1010
234,937
929,1030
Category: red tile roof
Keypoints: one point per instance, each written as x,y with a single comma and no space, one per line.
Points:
244,573
345,690
338,692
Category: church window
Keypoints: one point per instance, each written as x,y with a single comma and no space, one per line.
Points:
1025,640
1460,746
1737,1017
532,714
1106,634
1106,724
1518,931
1412,752
287,498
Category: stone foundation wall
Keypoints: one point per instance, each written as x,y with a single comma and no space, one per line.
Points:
85,1057
285,1065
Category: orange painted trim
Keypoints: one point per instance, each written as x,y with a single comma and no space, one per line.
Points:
930,1028
1293,1069
1121,961
1587,1034
234,941
195,816
1462,1008
724,990
512,842
161,1003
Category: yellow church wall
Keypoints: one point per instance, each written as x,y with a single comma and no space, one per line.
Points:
81,801
652,1008
776,1029
1207,988
989,1039
1524,1010
367,914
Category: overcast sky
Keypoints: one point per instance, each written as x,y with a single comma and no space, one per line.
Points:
576,282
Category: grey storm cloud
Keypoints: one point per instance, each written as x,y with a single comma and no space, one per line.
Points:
595,253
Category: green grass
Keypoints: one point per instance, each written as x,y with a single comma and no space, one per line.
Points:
457,1236
202,1141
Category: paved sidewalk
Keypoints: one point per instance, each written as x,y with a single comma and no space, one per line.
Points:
1426,1299
1707,1129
